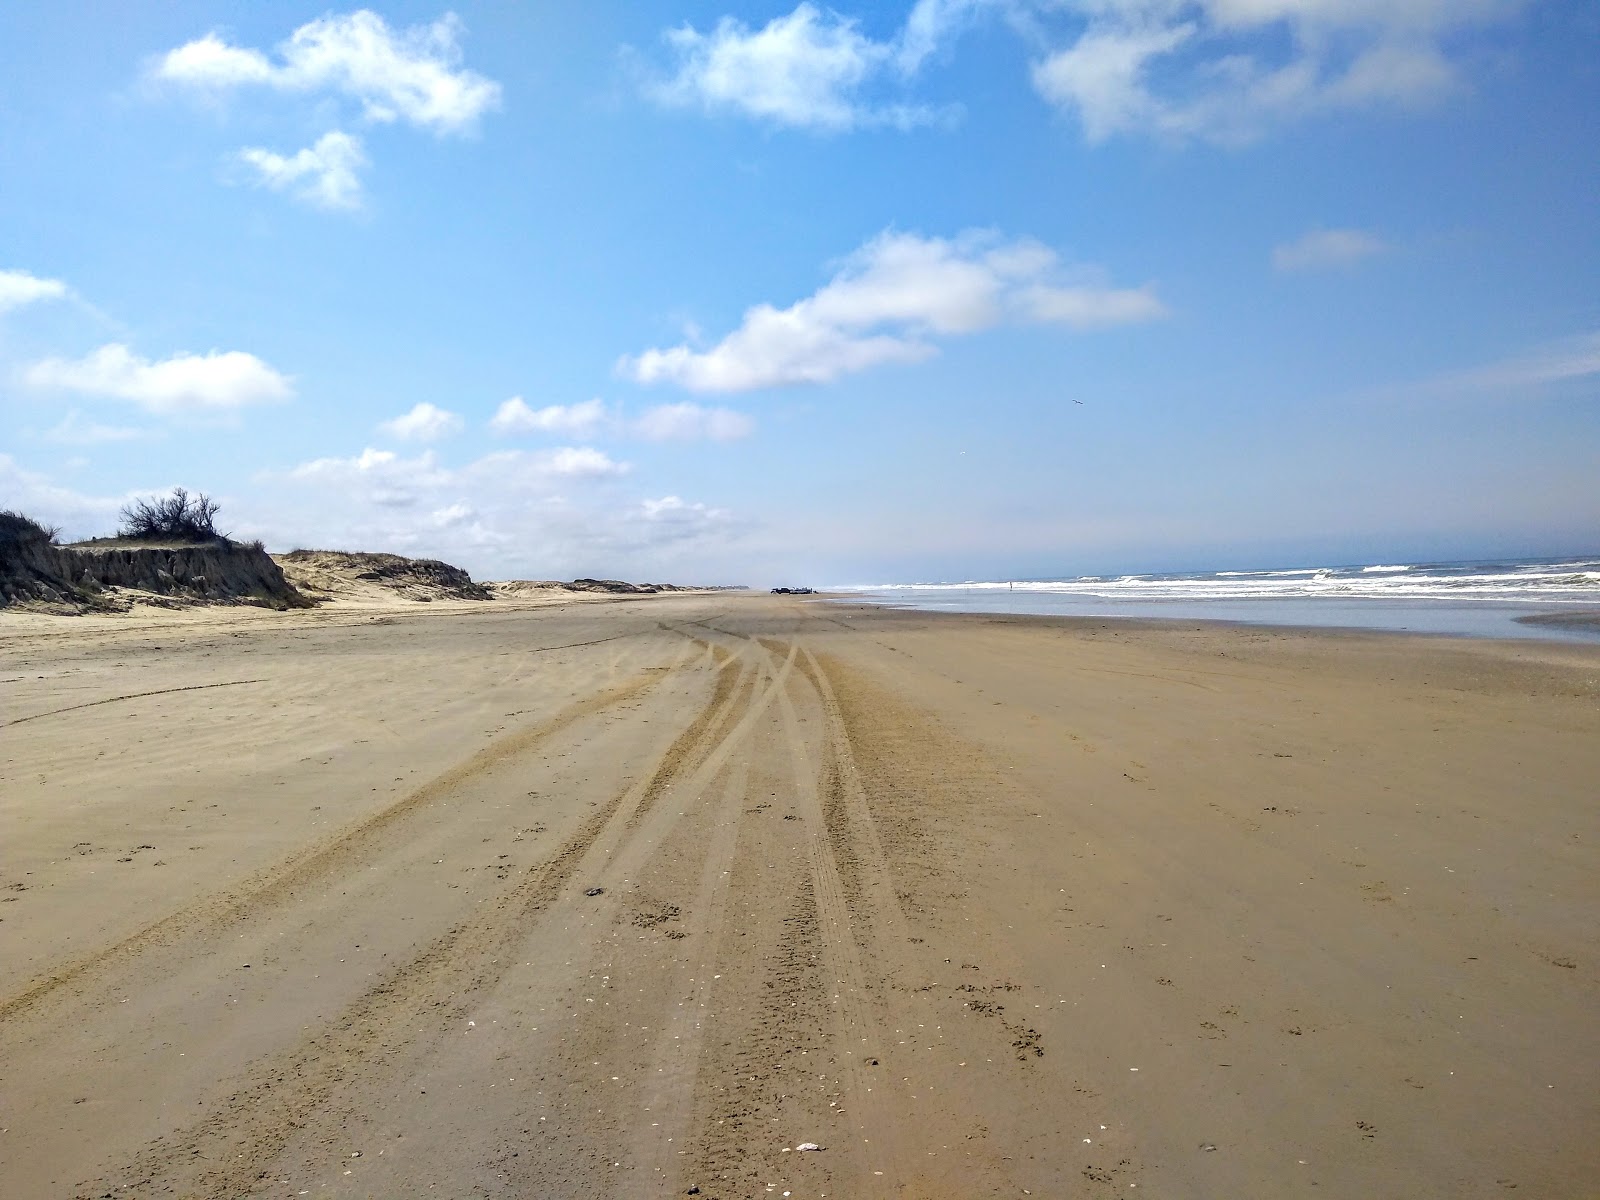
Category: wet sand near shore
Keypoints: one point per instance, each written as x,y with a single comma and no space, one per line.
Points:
634,898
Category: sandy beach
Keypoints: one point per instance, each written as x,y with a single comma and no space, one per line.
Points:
638,897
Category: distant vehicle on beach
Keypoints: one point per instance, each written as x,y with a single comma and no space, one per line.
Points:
794,591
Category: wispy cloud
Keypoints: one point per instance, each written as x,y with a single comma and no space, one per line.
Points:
79,514
412,75
219,381
1322,249
77,430
1215,70
424,423
1231,70
326,175
1518,375
691,422
662,423
891,302
1565,366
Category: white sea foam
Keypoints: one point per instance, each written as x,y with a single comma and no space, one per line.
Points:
1574,581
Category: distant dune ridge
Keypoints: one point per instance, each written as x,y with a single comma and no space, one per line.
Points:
340,575
616,587
112,574
352,575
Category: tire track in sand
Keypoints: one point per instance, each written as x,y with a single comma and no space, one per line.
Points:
669,1087
276,883
670,1092
228,1152
816,974
856,1029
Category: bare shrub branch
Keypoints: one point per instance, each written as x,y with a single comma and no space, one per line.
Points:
179,516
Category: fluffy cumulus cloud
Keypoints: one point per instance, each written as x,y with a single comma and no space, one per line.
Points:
1322,249
890,302
325,175
219,381
516,416
19,288
412,75
1230,70
424,423
807,70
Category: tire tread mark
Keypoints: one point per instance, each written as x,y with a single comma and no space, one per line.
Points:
280,880
696,742
857,1028
282,1089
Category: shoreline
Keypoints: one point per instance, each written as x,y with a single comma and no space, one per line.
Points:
1490,622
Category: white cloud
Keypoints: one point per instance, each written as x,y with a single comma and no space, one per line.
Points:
517,416
583,462
555,513
411,75
691,422
684,517
1325,248
1086,307
1230,70
887,304
326,175
402,482
1220,70
806,70
19,288
217,381
663,423
77,430
209,62
929,25
379,477
525,468
424,423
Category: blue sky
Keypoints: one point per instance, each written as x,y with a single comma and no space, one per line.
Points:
764,293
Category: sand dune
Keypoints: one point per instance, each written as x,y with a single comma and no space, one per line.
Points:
368,578
629,898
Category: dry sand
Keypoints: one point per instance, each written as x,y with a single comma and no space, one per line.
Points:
299,904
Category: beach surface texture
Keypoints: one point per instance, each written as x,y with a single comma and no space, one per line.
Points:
741,895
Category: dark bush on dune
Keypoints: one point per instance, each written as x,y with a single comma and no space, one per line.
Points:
178,517
18,530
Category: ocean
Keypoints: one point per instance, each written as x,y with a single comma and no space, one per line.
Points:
1485,598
